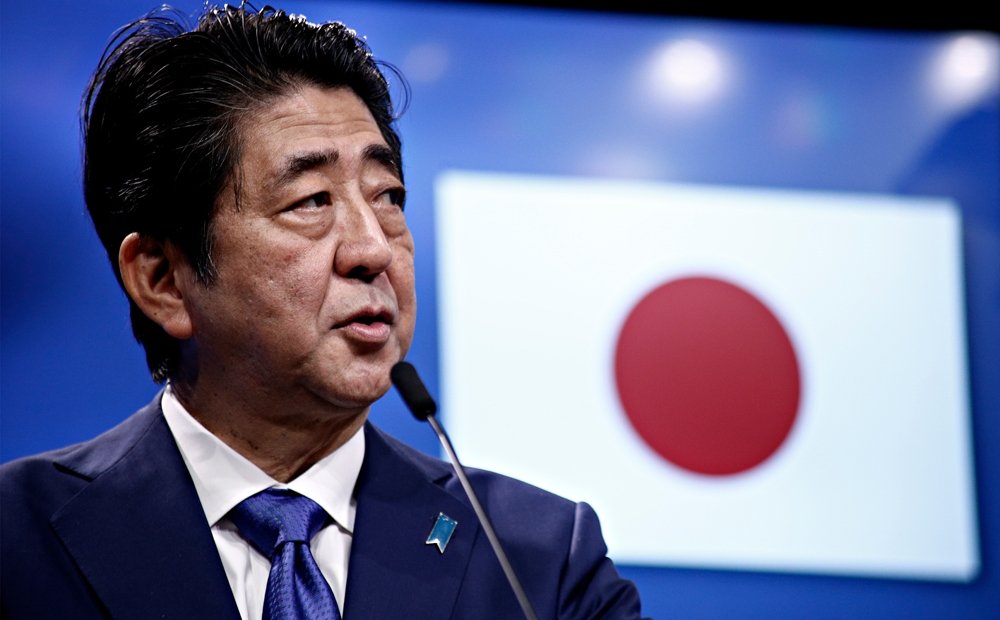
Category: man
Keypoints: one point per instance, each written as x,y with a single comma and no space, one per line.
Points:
246,182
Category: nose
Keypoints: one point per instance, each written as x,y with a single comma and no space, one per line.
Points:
363,251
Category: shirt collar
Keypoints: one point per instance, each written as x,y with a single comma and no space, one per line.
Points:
223,478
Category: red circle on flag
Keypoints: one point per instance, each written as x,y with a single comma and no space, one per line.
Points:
707,376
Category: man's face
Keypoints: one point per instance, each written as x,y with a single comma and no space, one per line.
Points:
314,295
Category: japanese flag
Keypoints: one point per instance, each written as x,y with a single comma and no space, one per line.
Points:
733,377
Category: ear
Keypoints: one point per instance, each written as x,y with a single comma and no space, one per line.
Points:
155,275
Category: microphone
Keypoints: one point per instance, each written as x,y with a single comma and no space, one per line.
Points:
422,406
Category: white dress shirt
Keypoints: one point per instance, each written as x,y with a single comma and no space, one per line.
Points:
223,478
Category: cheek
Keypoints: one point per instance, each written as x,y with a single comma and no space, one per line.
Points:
404,287
277,283
303,279
402,272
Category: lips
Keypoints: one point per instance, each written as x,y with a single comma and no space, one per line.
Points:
369,325
369,316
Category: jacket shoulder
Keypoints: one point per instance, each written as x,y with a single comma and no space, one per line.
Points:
489,485
37,485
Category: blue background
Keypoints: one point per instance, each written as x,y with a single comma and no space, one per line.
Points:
524,90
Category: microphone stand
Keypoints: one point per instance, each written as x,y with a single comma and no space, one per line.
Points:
422,406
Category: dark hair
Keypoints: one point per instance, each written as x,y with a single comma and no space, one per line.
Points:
161,124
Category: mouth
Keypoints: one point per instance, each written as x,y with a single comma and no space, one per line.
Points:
369,316
368,325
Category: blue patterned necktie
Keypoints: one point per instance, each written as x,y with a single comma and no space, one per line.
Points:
279,524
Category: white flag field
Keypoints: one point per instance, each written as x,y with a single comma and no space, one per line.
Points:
737,378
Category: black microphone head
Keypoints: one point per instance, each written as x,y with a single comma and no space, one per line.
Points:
411,389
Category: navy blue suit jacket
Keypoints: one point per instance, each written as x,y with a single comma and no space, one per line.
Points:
113,528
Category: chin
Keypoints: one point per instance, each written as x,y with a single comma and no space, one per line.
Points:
359,391
355,378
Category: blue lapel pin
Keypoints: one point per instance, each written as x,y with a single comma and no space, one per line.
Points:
441,533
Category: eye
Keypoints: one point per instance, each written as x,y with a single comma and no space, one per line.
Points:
395,196
316,201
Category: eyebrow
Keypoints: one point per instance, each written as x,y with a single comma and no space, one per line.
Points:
383,155
299,163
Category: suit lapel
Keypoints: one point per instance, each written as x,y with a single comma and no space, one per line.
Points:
393,573
137,530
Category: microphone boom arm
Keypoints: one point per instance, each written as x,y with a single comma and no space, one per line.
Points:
422,406
522,597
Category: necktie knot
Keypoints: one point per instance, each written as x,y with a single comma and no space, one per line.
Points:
296,589
276,516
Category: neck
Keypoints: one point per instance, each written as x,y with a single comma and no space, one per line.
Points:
283,442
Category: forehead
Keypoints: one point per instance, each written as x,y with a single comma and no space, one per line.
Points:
307,121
